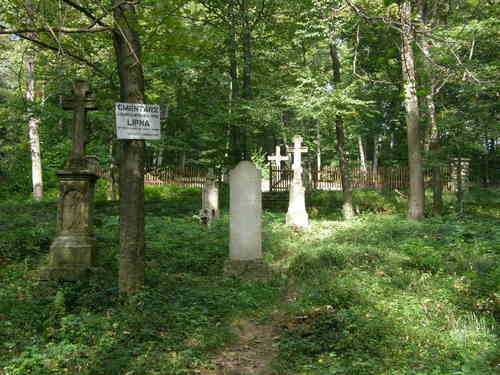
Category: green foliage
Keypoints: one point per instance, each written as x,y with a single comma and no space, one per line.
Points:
378,294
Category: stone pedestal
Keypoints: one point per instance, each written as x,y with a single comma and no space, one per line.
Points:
210,200
297,215
73,251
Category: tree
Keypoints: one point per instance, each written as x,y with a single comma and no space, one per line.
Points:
128,59
416,193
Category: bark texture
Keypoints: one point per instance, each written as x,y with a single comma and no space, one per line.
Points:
128,53
347,206
416,193
33,131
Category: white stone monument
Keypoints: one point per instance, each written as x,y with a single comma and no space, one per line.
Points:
297,214
245,222
210,199
277,158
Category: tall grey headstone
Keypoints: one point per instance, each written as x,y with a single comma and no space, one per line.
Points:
245,222
245,212
297,214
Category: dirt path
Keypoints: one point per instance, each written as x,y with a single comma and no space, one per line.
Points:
252,354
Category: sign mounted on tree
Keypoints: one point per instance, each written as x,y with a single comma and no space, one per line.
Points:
137,121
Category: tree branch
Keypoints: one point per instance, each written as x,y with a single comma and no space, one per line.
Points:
58,50
65,30
86,12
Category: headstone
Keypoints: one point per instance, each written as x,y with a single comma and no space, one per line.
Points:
297,215
72,253
245,227
210,199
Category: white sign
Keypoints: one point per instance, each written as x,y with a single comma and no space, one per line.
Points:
137,121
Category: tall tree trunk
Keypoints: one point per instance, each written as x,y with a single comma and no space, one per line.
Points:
128,54
362,156
416,193
34,136
236,149
347,206
376,146
318,147
33,128
247,92
431,144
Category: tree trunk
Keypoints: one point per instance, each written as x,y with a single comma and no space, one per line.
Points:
362,156
375,153
34,136
347,206
432,144
236,149
128,54
416,193
33,128
247,93
318,148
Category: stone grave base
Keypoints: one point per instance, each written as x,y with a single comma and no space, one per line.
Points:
49,273
70,259
299,220
255,270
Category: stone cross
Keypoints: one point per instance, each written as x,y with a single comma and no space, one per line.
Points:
277,158
297,150
80,102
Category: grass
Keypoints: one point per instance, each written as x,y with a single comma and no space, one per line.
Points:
377,295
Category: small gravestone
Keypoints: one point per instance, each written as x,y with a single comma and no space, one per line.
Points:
72,253
209,200
245,226
297,215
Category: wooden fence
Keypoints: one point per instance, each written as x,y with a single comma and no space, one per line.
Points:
194,177
328,179
389,178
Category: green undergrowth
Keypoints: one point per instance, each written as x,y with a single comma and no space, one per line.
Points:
376,295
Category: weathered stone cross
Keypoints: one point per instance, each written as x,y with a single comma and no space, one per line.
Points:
80,102
297,150
277,158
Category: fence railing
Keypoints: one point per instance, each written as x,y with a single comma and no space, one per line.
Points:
193,177
329,179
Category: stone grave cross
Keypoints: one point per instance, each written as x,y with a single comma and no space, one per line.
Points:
297,214
297,150
277,158
80,102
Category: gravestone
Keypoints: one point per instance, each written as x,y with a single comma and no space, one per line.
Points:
72,253
245,226
209,199
297,215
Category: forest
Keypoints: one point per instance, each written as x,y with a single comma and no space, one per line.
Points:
397,273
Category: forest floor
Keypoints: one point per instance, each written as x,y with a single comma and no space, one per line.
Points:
375,295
